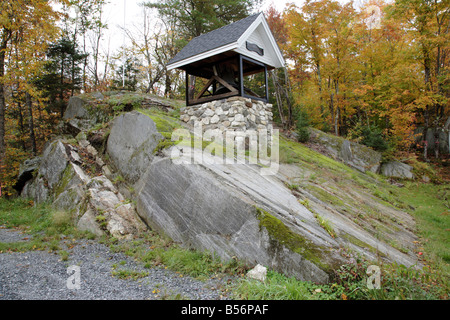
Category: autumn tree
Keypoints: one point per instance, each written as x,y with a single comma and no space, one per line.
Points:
427,23
26,27
306,34
280,83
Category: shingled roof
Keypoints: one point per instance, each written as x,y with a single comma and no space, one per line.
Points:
214,39
250,37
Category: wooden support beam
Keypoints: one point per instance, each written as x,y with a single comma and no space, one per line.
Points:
211,81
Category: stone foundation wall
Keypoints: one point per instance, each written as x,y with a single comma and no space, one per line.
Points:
233,114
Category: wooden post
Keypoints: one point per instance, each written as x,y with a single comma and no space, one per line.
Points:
187,88
267,83
241,76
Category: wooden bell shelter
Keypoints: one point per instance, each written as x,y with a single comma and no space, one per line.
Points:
224,58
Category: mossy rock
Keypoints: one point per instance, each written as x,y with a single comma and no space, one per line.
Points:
281,235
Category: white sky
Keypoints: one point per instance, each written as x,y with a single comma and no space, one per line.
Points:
127,12
114,14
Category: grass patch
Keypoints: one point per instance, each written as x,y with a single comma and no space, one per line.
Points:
294,152
129,274
41,218
326,225
276,287
432,212
41,222
396,283
165,125
155,250
283,236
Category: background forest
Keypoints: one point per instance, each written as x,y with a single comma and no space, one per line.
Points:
376,73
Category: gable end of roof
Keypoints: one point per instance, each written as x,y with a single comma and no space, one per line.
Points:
215,39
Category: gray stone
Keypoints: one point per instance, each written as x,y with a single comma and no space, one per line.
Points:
97,95
54,162
101,183
131,143
77,116
208,113
206,209
437,138
36,189
88,223
259,272
205,121
239,118
396,169
215,119
27,171
76,109
355,155
103,200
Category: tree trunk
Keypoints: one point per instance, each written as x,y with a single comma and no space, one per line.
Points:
168,85
319,82
31,124
425,133
21,126
61,90
6,36
278,97
336,119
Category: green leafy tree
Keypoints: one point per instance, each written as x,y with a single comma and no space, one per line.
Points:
62,75
195,17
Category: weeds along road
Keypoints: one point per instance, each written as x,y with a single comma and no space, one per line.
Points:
89,270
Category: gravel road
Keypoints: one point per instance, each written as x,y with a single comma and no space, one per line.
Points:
41,275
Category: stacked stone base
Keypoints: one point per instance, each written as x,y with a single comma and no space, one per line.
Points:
236,114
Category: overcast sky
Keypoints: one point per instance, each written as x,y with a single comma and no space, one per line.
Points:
119,12
128,12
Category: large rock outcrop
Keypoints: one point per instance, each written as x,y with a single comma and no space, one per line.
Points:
396,169
234,211
231,210
131,143
95,204
355,155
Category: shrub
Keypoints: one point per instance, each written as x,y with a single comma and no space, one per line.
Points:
373,137
302,124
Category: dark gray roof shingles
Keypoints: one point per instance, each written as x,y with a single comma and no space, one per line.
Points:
214,39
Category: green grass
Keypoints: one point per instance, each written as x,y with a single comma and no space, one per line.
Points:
126,274
24,214
155,250
43,225
350,283
276,287
428,204
325,224
432,214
